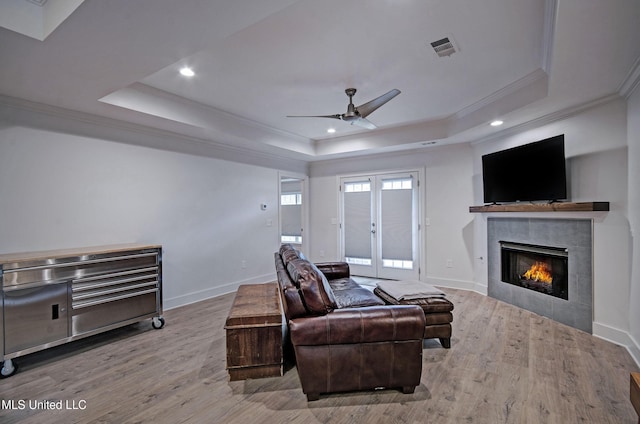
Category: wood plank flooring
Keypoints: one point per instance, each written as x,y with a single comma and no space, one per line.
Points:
505,365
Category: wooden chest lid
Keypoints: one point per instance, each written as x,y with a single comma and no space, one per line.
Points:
255,305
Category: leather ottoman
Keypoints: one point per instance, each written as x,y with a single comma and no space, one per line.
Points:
437,313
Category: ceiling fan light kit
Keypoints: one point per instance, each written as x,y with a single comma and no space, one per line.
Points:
356,115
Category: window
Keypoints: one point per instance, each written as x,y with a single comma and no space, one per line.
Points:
291,239
357,187
397,184
358,261
291,199
397,263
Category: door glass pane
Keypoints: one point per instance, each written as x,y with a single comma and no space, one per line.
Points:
291,210
357,222
396,223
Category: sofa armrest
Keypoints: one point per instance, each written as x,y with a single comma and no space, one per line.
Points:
359,325
334,270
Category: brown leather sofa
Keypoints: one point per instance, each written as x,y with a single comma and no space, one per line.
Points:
345,338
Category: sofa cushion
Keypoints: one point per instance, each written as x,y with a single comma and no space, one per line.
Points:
350,294
288,253
334,270
373,324
284,247
314,287
291,298
429,305
294,307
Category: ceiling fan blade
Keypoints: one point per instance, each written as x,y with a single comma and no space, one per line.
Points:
367,108
338,116
364,123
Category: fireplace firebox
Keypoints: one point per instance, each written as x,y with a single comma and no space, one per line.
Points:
540,268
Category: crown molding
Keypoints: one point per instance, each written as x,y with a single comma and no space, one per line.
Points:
513,88
631,81
548,34
48,117
548,119
151,101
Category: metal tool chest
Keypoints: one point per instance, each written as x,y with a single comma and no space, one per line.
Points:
54,297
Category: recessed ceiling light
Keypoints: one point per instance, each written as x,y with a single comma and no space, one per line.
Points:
496,123
187,72
331,130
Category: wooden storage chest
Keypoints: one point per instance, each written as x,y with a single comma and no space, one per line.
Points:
254,330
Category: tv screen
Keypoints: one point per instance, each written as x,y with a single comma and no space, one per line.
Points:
535,171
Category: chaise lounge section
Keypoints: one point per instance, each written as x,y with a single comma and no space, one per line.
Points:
437,312
344,337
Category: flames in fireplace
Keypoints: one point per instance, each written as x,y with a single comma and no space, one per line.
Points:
540,268
539,272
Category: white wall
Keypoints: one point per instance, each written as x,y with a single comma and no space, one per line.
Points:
449,233
447,193
596,148
633,122
323,219
60,190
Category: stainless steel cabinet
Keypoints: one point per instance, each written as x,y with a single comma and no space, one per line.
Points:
34,316
50,298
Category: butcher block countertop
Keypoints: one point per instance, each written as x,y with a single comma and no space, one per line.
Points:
61,253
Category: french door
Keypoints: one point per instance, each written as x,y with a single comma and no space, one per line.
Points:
379,228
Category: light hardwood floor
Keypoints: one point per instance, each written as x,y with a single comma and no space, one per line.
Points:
505,365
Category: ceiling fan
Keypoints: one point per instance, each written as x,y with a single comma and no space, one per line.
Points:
356,115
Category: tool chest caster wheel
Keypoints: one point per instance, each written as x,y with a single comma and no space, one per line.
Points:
157,322
9,368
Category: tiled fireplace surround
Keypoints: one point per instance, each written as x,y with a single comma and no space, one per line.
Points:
574,234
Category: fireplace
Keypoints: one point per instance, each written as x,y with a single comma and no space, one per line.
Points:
540,268
570,259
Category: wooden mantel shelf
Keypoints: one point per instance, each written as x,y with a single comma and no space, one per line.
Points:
543,207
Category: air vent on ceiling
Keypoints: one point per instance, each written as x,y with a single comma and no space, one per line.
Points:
38,2
444,47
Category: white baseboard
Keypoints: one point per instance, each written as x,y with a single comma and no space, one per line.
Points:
193,297
634,350
619,337
457,284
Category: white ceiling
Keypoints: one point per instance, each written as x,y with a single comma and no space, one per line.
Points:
35,18
257,61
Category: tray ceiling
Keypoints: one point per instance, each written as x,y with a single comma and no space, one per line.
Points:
257,61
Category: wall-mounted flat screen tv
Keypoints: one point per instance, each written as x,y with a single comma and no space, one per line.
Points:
533,172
